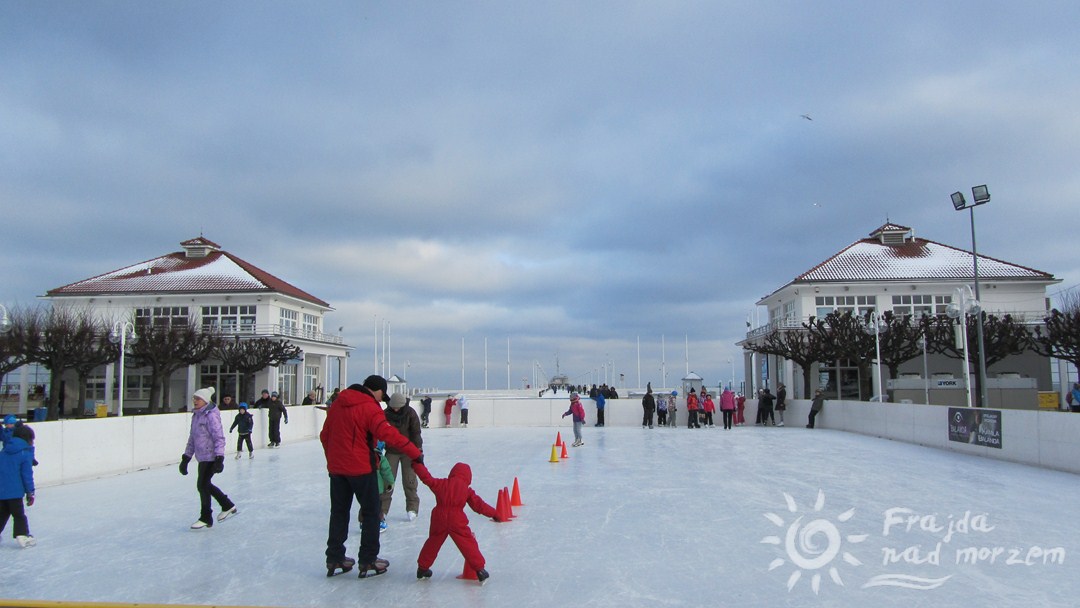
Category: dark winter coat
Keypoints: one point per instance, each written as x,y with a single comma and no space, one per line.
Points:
277,410
648,402
16,469
407,423
353,425
817,403
781,397
244,422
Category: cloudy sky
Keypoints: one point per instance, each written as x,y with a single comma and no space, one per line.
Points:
574,176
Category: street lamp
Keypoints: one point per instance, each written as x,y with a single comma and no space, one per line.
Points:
5,321
960,310
876,324
980,195
122,332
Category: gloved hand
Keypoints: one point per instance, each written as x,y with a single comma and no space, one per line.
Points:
419,459
389,489
30,499
286,421
219,464
183,464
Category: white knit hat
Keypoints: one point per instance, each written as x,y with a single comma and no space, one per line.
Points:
206,394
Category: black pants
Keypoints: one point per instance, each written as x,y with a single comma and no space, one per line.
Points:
208,490
13,508
241,439
424,418
465,416
728,416
646,420
692,419
661,417
708,419
813,414
599,417
342,490
275,430
766,414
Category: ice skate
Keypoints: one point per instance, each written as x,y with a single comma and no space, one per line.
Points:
25,541
382,526
375,568
781,424
237,456
482,575
251,455
412,515
200,524
423,573
227,513
345,565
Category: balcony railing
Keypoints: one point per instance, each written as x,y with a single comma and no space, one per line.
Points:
279,330
1029,317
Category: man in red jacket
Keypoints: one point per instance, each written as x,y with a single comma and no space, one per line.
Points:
354,424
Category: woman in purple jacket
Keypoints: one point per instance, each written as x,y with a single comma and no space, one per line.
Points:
206,442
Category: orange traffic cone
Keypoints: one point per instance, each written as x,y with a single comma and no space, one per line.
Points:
558,438
502,510
555,453
467,573
515,496
506,501
564,453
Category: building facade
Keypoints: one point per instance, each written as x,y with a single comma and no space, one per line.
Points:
893,270
221,293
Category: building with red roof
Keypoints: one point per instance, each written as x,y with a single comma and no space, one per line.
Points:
892,270
222,293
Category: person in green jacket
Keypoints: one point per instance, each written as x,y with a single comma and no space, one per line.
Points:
386,483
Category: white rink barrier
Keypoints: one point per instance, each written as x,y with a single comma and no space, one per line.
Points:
75,450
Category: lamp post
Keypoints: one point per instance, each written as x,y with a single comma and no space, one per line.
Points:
980,195
925,371
731,361
874,323
122,331
5,320
960,310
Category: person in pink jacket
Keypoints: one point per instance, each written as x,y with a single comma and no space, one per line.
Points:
727,407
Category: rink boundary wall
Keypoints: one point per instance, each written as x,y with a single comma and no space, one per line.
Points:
76,450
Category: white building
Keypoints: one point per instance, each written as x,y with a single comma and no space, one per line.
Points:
222,293
892,270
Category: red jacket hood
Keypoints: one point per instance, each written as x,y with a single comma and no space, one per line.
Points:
461,471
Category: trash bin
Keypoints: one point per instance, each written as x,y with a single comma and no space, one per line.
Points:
41,414
101,410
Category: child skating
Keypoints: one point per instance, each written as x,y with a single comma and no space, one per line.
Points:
578,412
17,483
244,423
448,519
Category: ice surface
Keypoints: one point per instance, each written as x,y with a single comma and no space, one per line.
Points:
636,517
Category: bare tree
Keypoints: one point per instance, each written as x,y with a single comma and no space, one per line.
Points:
843,336
166,348
254,355
1060,335
62,333
796,345
1003,337
15,342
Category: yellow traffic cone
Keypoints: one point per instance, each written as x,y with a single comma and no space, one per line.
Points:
554,453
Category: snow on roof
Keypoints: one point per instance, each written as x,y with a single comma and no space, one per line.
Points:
915,259
216,272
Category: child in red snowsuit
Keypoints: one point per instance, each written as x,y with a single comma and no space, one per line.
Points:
448,518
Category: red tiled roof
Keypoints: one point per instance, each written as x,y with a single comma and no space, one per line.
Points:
174,273
916,259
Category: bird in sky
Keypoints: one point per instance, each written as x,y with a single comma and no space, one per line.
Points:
806,116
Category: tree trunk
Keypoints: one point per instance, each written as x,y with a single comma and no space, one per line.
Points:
56,383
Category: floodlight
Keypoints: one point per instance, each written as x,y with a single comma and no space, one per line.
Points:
958,201
981,194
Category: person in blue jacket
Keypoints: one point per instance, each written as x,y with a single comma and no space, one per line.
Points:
244,423
17,483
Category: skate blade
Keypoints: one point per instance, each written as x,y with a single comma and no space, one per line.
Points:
370,572
333,570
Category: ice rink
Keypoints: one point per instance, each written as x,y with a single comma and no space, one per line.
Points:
663,517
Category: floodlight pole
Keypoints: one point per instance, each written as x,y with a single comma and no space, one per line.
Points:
120,332
981,195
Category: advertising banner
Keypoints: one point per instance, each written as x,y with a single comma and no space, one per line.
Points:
976,426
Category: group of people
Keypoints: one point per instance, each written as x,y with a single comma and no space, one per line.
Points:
701,407
355,429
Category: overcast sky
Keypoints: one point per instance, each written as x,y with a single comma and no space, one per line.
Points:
574,176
